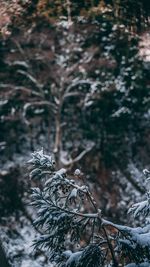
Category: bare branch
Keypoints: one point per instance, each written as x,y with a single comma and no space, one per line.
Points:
19,88
70,162
31,78
18,63
35,104
81,82
71,94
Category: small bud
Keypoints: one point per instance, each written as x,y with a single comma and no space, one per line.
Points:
77,172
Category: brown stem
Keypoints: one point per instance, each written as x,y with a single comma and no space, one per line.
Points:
115,263
85,215
92,201
68,4
57,139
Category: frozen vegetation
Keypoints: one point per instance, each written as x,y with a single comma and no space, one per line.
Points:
65,222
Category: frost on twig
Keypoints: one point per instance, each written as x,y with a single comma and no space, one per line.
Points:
61,215
68,217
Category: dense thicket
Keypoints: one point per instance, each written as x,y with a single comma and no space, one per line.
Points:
73,79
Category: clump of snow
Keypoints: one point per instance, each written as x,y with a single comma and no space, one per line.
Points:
77,172
73,259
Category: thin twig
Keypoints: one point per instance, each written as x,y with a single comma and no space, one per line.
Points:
115,263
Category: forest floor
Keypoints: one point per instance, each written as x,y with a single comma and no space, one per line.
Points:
17,237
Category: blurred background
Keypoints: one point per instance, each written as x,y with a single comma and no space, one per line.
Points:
75,80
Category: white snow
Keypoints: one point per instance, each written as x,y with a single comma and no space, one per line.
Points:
18,246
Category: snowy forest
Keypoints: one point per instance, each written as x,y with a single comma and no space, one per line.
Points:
74,133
